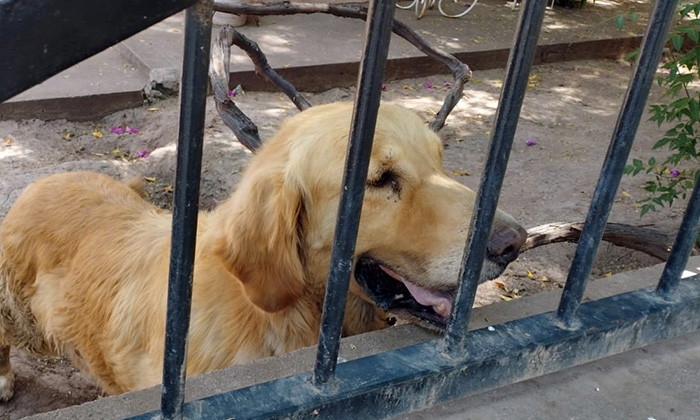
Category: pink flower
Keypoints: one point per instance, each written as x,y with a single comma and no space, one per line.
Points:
428,85
531,142
232,93
130,130
447,84
143,153
675,173
384,88
117,130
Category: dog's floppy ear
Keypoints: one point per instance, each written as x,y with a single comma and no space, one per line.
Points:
260,243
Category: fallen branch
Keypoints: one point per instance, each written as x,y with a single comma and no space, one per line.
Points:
649,241
460,71
263,69
243,128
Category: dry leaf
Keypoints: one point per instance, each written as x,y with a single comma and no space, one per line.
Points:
98,134
506,298
8,141
149,178
153,109
168,188
530,275
460,172
500,285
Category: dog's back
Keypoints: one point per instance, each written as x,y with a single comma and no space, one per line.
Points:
54,240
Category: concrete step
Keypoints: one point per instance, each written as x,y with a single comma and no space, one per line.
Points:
319,52
91,89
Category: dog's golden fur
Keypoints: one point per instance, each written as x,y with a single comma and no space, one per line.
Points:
84,258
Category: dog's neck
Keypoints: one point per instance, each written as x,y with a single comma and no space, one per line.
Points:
266,334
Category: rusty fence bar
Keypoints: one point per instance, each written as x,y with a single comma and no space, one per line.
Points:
369,89
618,152
193,96
507,114
682,246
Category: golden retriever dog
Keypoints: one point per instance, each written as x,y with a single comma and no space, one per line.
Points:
84,258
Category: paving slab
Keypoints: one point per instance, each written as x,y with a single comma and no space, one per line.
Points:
654,382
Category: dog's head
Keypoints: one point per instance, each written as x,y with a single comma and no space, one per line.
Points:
413,228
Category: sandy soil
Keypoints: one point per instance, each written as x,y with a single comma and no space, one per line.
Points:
569,110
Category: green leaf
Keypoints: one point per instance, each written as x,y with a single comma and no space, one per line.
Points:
620,22
652,161
693,109
661,143
676,40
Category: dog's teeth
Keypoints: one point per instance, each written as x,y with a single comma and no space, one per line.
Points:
398,297
440,308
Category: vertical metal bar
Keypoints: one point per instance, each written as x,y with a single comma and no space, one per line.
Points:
682,246
515,83
377,31
618,152
193,95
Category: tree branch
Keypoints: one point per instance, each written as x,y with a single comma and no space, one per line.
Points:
649,241
460,71
243,128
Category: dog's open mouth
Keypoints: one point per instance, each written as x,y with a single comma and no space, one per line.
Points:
396,294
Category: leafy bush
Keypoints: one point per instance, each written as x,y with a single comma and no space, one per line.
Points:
676,175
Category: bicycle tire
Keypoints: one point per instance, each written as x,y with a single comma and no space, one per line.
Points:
457,15
421,7
410,5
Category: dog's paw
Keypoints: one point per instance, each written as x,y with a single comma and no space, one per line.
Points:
7,386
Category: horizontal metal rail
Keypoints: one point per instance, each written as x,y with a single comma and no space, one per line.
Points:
419,376
39,38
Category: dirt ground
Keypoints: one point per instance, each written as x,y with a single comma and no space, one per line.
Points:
569,111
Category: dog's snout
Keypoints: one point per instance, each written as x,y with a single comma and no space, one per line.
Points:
504,243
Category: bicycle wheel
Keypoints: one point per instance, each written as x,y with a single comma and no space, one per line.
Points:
456,8
405,4
421,7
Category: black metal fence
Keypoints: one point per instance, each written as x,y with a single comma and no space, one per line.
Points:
415,377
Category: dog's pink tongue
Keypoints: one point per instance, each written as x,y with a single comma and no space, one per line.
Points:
441,302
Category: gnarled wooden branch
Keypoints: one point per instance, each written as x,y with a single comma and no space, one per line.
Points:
243,128
649,241
263,69
460,71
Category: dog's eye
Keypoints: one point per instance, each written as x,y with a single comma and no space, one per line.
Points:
386,179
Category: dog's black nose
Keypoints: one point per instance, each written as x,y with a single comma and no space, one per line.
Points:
504,243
